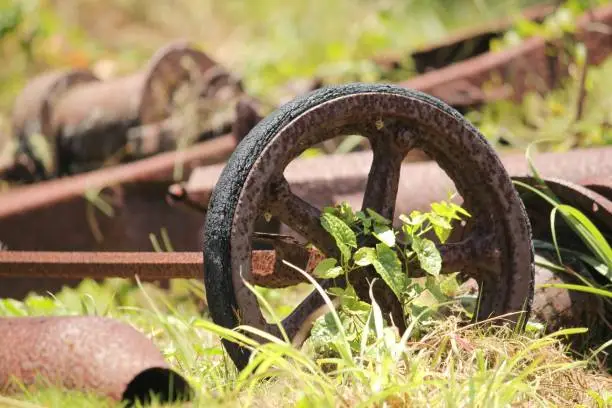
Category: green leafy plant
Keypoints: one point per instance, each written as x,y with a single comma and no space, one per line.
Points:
392,253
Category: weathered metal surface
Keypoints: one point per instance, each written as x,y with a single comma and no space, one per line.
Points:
159,167
534,65
180,94
600,184
33,107
91,354
463,45
55,215
559,308
100,265
266,265
327,180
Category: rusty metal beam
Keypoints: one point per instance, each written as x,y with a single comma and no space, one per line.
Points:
530,66
146,265
159,167
326,180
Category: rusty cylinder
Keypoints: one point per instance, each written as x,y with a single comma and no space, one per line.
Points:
89,354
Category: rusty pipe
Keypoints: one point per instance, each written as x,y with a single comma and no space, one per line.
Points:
91,354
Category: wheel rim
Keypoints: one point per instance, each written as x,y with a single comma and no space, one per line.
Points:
394,120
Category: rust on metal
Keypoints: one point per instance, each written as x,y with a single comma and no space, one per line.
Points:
559,308
328,180
159,167
463,45
57,215
267,265
530,66
87,123
91,354
600,184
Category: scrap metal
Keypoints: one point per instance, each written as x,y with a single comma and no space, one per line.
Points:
90,354
182,95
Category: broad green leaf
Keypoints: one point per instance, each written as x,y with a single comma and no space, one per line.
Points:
337,291
331,273
389,267
377,218
449,285
458,209
324,266
345,213
351,301
384,234
324,331
425,299
441,226
428,255
364,256
343,235
415,219
445,210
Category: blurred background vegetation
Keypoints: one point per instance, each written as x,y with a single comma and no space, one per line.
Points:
270,42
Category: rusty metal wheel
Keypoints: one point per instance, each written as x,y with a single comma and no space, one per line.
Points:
495,249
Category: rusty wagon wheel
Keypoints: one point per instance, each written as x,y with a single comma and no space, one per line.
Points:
496,250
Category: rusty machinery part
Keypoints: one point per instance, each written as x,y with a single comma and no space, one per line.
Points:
148,266
395,120
87,125
33,111
31,216
331,179
595,206
462,45
601,184
534,65
91,354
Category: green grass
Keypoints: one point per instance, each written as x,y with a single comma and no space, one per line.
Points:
269,42
451,365
353,357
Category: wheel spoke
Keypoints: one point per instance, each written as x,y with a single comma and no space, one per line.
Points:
298,324
383,180
474,251
300,216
